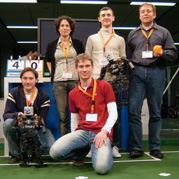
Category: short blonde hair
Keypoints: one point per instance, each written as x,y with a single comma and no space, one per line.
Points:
149,4
83,57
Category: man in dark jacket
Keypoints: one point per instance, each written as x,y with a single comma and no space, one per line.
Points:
26,96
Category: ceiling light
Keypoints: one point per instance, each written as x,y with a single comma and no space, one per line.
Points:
27,42
21,27
154,3
176,43
18,1
83,2
124,28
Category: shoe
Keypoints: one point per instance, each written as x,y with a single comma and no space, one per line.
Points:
136,154
89,155
115,152
78,163
156,153
14,159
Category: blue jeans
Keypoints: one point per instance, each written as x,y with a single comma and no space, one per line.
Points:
13,138
146,82
61,90
76,146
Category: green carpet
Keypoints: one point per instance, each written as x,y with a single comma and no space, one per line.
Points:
145,167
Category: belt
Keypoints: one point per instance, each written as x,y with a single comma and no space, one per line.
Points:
149,65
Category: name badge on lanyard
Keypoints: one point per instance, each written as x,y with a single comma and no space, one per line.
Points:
67,74
147,54
103,61
91,117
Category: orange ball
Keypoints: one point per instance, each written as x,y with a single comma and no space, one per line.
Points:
157,48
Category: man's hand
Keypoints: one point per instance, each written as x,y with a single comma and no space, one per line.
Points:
20,121
36,121
20,114
120,61
100,138
158,54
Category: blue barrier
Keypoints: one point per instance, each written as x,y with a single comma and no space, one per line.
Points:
53,117
124,131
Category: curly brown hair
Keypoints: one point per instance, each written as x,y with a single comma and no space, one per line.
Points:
69,19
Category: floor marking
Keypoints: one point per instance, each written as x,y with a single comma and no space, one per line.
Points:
71,163
130,161
168,152
148,154
153,159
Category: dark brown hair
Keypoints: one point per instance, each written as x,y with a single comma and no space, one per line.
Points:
31,70
70,21
105,9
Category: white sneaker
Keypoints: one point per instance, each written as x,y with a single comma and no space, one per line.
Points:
89,155
115,152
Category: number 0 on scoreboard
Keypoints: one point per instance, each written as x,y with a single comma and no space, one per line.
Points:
38,65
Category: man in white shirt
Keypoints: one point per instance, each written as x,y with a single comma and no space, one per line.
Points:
98,46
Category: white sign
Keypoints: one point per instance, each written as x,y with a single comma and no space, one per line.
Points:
14,67
38,65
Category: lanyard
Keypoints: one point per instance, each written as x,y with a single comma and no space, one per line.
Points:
147,36
104,44
66,50
94,91
31,98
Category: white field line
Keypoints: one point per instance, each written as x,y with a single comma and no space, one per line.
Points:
153,159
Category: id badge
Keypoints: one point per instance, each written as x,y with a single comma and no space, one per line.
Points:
103,61
67,74
28,110
147,54
91,117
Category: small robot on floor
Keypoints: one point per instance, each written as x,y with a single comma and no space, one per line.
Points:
29,140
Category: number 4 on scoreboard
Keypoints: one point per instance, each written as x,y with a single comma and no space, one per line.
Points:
15,65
